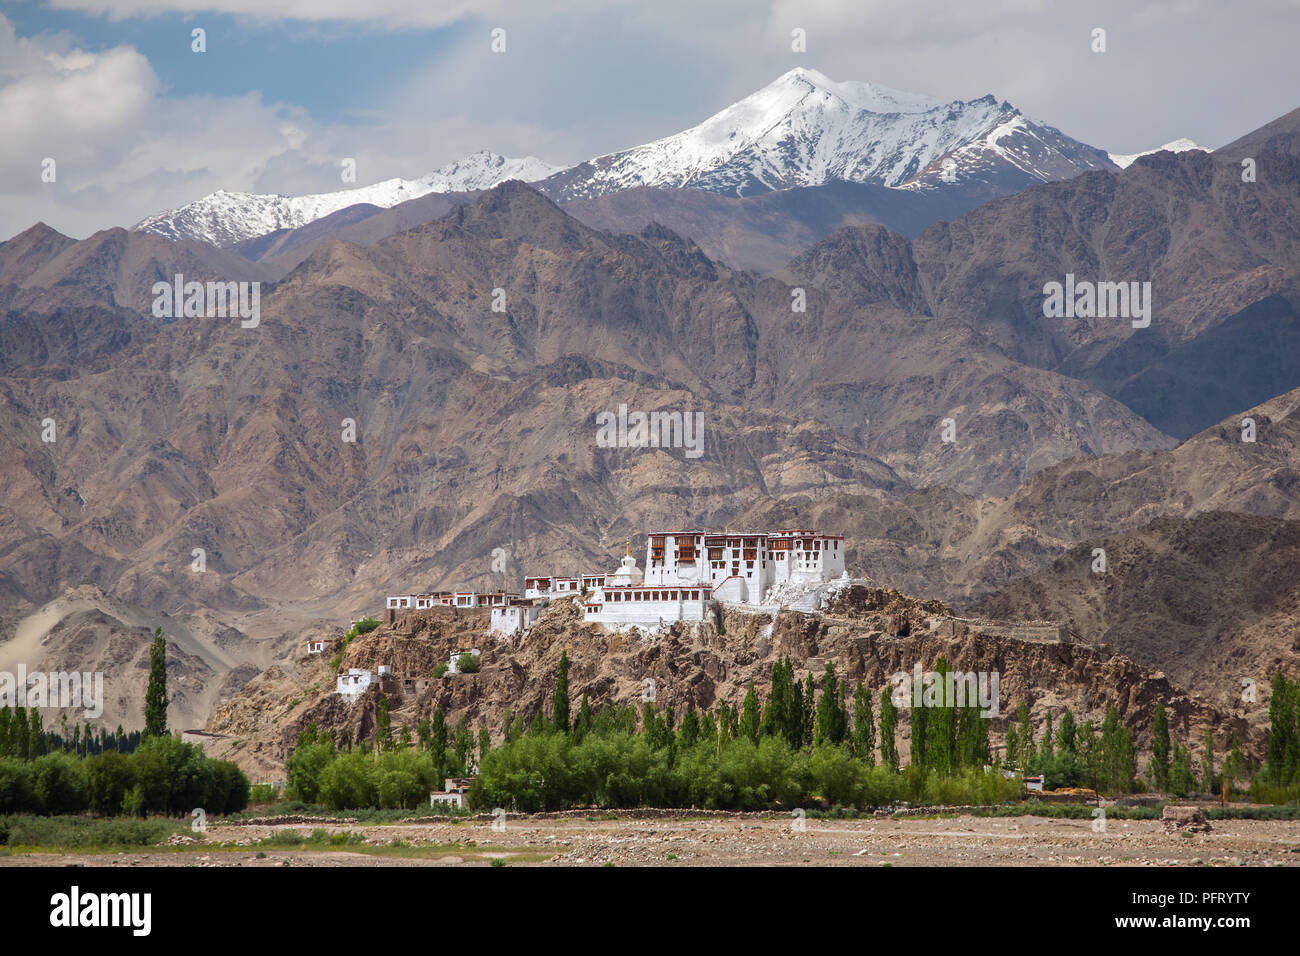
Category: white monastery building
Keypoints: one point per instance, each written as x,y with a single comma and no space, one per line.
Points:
685,573
687,570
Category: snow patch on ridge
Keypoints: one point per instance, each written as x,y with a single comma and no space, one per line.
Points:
1182,145
224,218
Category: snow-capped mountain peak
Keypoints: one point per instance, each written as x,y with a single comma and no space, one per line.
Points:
805,129
802,129
224,218
1181,145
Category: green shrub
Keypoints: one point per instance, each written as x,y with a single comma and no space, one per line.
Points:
17,787
83,832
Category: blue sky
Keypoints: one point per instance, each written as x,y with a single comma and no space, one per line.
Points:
138,123
287,60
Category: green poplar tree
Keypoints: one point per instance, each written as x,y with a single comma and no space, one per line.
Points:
689,733
383,726
1160,747
920,722
777,711
941,723
831,723
888,730
795,719
560,703
749,719
438,739
36,728
1065,734
1025,738
1282,755
809,709
1180,772
21,736
1209,779
155,696
582,726
864,726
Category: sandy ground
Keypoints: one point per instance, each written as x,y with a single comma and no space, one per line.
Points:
738,841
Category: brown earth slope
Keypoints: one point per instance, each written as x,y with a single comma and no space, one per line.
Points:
1212,600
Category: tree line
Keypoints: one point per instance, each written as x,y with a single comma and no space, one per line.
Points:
798,745
136,774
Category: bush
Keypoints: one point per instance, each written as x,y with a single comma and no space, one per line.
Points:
83,832
230,788
468,663
17,788
61,783
111,775
262,793
348,782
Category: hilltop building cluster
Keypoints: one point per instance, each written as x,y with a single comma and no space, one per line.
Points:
686,573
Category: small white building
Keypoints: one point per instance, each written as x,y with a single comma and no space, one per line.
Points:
453,664
454,794
539,587
511,620
354,682
317,645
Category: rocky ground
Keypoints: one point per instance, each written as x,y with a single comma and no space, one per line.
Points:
738,840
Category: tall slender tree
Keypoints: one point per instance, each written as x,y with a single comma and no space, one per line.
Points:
864,726
155,695
560,703
809,709
831,724
1160,747
749,719
888,730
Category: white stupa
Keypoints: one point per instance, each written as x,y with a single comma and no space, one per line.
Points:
628,574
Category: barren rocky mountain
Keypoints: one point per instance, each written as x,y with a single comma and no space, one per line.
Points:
476,428
1220,255
757,233
1211,600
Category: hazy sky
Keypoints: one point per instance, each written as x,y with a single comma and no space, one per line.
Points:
137,122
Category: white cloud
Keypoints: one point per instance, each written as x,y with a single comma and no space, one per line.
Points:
123,149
